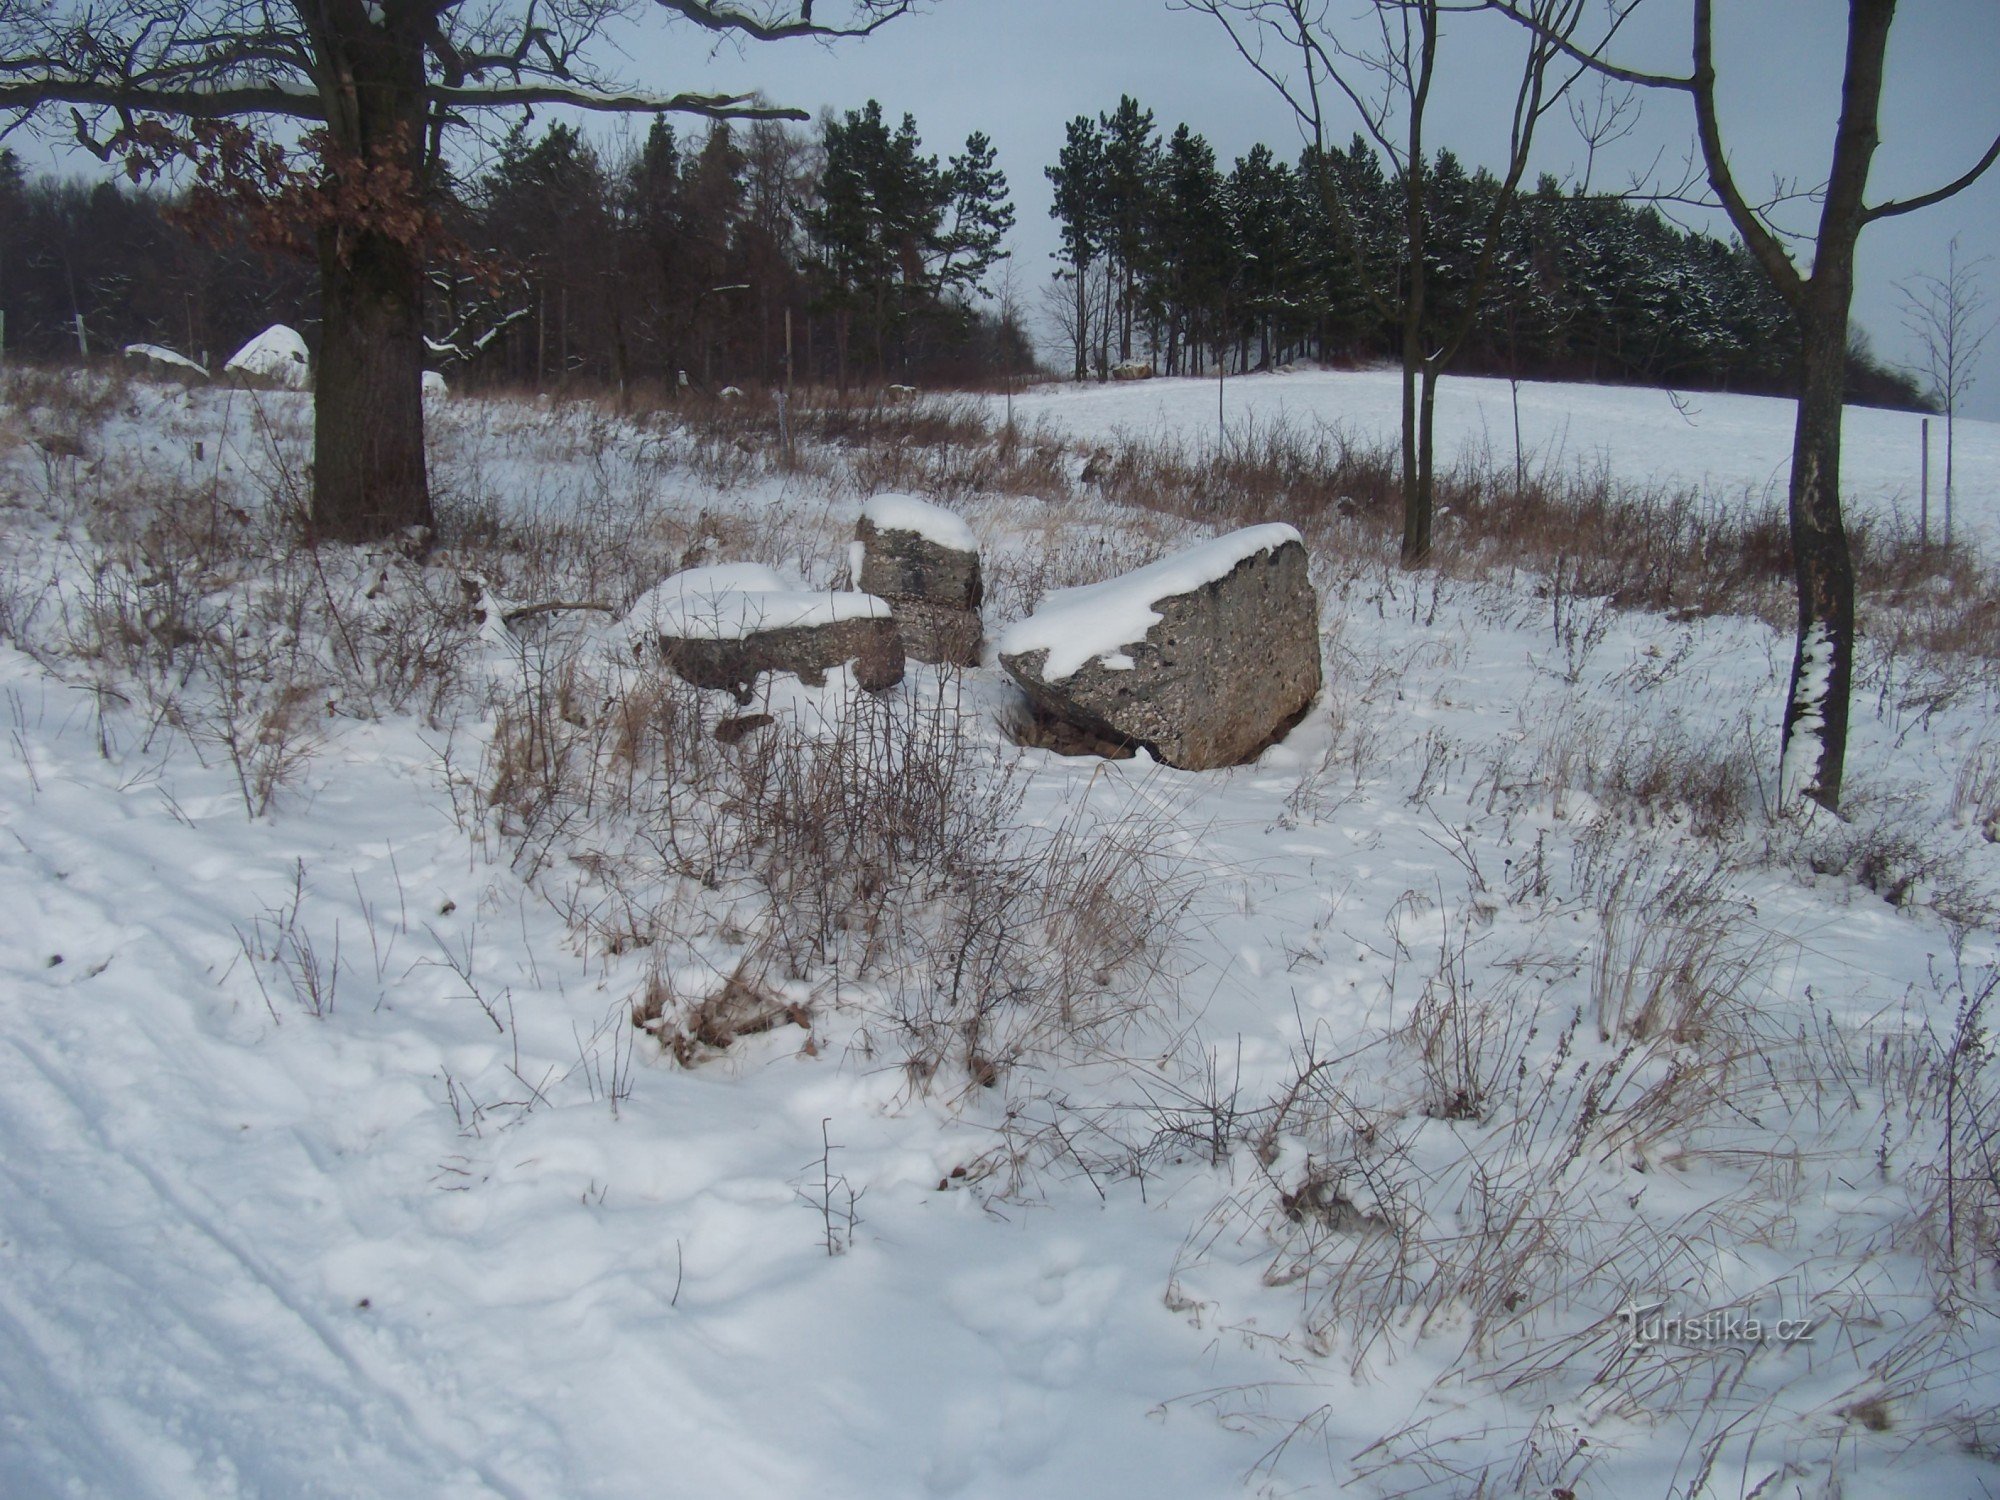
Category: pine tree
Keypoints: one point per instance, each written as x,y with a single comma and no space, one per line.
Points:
897,240
1197,258
1079,181
1132,171
977,218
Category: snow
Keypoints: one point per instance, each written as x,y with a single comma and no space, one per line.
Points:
462,1232
434,385
1096,620
727,601
159,354
1734,447
278,353
893,511
1799,772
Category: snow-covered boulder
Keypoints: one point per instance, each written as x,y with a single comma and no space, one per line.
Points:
1132,369
726,625
434,387
1204,658
161,360
925,561
277,354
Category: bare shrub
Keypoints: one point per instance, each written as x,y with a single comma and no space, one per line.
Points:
1670,962
1048,944
1958,1094
1467,1046
281,941
1975,792
869,841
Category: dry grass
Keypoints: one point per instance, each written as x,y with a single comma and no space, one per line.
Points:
875,850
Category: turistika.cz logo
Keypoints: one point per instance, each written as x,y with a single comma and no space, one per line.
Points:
1650,1323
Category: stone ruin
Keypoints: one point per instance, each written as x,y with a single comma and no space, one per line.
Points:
1204,658
925,561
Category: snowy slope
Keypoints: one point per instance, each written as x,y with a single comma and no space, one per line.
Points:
1730,445
331,1164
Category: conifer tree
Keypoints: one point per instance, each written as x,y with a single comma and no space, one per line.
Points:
1079,181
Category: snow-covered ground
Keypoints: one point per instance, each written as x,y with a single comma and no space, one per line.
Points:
332,1164
1724,444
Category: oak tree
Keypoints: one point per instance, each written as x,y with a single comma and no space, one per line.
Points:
377,85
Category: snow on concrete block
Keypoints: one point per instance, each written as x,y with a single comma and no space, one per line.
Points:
161,360
730,393
1132,369
726,625
1204,658
891,511
434,386
900,395
277,354
925,561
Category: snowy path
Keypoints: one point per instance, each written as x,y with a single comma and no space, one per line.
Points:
247,1256
112,1260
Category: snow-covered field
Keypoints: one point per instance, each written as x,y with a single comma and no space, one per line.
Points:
1728,445
1318,1135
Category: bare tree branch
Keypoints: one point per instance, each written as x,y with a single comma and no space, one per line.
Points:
1925,200
191,103
1757,233
708,106
730,19
1593,56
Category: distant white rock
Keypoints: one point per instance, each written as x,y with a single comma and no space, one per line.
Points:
165,358
277,354
434,385
731,393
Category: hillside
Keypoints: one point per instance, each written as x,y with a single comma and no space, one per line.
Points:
1736,447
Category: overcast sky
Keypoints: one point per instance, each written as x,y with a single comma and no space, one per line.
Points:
1020,69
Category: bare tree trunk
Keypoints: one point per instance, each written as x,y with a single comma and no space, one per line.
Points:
1816,711
1125,314
369,480
1815,728
1416,436
1949,416
1082,322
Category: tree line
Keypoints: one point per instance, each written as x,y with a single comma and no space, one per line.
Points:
694,252
1169,259
735,253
